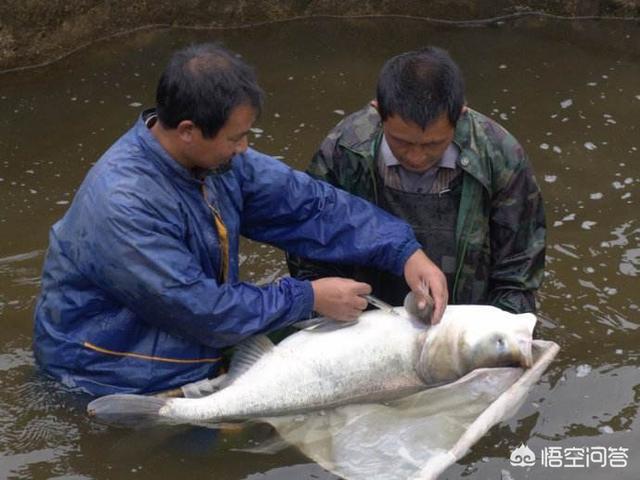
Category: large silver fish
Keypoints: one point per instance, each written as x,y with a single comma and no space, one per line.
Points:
380,357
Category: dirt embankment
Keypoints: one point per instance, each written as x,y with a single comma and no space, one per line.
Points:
37,31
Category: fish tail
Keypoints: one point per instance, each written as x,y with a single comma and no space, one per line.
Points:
127,409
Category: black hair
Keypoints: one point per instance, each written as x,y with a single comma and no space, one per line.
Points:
204,83
419,86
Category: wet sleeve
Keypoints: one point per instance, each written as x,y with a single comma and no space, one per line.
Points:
518,234
312,219
137,255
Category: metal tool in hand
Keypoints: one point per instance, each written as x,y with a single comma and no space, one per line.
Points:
380,304
314,323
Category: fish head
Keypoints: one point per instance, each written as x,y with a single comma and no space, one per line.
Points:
498,349
504,340
475,336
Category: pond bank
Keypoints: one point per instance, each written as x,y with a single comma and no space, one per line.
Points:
40,31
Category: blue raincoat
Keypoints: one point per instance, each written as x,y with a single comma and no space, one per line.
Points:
132,297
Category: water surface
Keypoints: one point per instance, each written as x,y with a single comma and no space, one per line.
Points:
569,91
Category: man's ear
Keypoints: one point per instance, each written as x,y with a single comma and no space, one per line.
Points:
374,104
185,130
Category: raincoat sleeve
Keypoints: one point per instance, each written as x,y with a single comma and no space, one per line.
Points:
322,167
310,218
137,255
517,237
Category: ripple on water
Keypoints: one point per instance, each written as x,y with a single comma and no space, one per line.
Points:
18,466
621,234
20,257
21,270
38,423
630,262
19,357
48,431
566,249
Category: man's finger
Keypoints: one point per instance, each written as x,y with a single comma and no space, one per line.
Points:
361,288
425,298
360,303
440,304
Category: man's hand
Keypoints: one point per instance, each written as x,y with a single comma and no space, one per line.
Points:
339,298
426,280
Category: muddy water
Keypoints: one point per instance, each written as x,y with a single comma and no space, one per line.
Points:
570,91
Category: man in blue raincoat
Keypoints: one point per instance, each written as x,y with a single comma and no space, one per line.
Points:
140,288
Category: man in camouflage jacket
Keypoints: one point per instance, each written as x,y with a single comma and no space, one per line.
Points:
497,240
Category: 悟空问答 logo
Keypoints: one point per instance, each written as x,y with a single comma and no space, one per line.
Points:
522,457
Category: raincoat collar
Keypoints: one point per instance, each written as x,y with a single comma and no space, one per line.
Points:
365,138
168,166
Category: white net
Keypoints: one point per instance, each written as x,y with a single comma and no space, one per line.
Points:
418,436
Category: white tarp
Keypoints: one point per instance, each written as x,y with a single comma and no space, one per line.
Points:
419,436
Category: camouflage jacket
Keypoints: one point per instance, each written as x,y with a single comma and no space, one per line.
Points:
500,231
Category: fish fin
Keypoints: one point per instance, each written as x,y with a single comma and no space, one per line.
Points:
311,323
246,354
322,324
127,409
